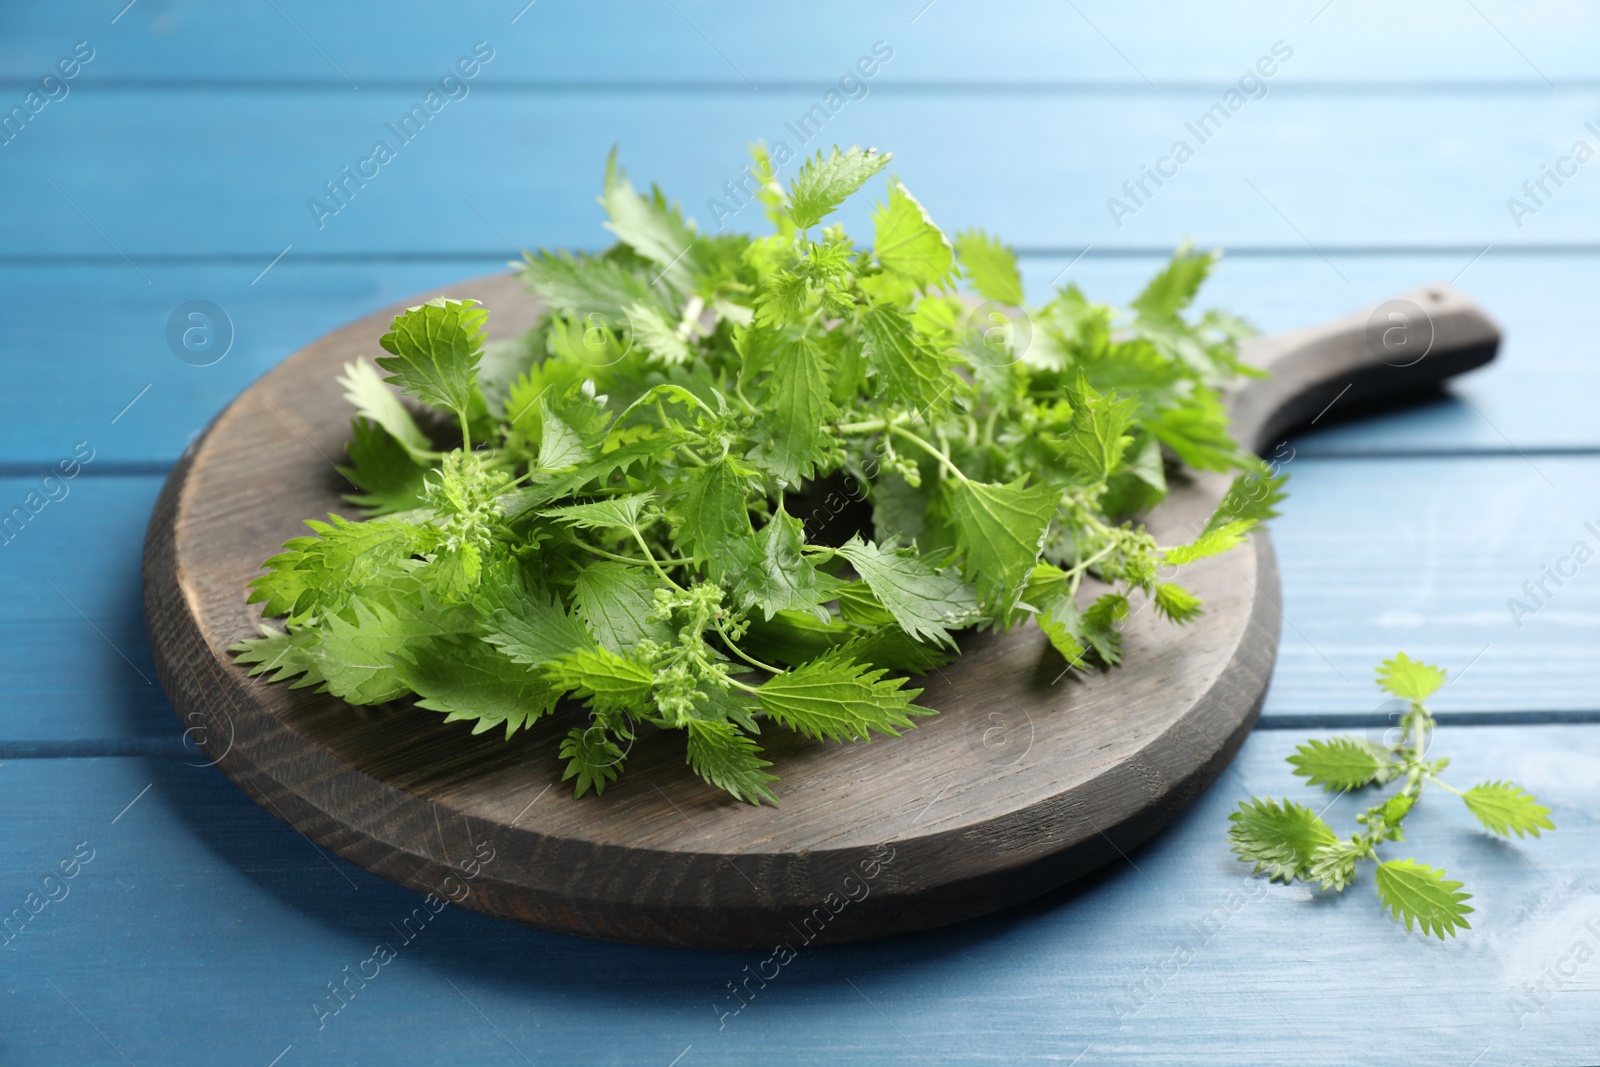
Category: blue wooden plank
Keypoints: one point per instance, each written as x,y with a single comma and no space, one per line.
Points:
1426,555
84,368
112,350
229,171
198,905
726,42
77,665
1450,560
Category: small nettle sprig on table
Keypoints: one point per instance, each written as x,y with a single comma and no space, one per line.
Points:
1289,842
604,509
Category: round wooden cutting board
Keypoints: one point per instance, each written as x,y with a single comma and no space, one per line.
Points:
1026,779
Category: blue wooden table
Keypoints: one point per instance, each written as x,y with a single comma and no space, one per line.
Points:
1383,151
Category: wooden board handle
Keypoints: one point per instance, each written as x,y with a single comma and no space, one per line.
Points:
1402,347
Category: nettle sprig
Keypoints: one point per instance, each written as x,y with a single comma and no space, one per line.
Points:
618,508
1289,842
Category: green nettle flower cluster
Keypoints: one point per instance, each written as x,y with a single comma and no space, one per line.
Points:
606,509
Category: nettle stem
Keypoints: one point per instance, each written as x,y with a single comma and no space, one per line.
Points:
932,450
1416,731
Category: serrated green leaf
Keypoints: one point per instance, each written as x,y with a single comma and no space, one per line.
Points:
1396,808
1211,542
435,352
360,650
609,682
1505,808
1252,497
799,407
1409,679
615,600
774,575
389,478
1000,530
649,225
375,401
991,266
318,574
1417,893
591,291
730,760
1176,603
823,182
1102,626
290,653
531,628
909,370
658,335
1341,763
1278,839
711,514
560,446
926,601
892,649
1333,868
1097,437
471,680
906,242
592,757
1062,623
835,698
616,513
1174,288
1197,431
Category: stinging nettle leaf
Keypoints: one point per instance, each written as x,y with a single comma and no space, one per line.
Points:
471,680
1333,867
1341,763
834,698
609,682
926,601
593,758
991,266
775,576
730,760
1211,542
1172,290
906,241
799,407
1252,496
711,512
374,400
1505,809
390,479
1278,839
910,370
617,513
1097,438
435,352
649,225
531,628
1176,603
1417,893
615,600
823,182
1408,679
1000,529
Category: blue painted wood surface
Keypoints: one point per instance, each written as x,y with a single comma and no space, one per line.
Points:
203,931
237,167
178,165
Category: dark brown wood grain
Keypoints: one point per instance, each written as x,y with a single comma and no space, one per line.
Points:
1026,779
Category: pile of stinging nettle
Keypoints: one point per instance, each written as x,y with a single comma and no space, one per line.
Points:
606,509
